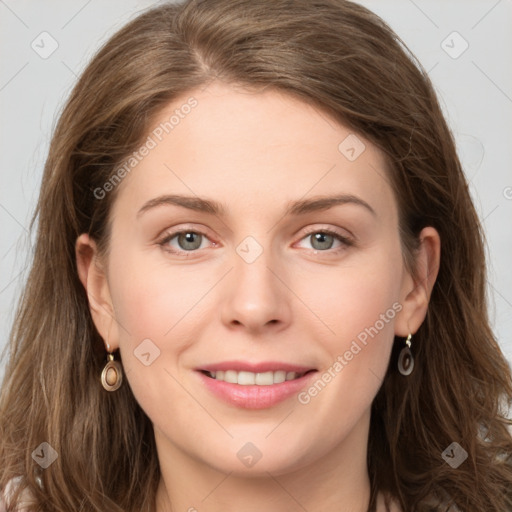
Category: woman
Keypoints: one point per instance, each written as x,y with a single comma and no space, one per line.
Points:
259,281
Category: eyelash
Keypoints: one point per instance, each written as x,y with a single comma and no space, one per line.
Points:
346,241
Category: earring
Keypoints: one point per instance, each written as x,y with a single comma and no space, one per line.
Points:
112,374
405,359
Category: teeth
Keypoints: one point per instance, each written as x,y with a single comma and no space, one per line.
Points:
251,379
246,378
230,376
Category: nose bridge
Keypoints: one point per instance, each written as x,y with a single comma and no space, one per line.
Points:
256,296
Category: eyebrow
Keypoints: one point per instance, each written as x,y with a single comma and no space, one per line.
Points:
212,207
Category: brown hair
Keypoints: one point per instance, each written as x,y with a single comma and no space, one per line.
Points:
347,62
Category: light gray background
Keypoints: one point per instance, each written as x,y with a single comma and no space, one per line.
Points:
475,90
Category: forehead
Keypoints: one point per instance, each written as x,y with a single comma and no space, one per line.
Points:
254,148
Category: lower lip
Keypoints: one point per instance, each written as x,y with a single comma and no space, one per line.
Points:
255,397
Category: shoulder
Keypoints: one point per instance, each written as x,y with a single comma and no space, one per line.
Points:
6,494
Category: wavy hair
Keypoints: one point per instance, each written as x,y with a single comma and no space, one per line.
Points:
344,60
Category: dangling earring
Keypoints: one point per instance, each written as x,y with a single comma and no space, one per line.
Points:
112,374
405,359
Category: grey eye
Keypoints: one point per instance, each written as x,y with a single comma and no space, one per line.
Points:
321,241
189,240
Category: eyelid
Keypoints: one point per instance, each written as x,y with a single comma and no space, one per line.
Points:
184,228
330,231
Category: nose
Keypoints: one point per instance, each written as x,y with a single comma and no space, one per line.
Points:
256,297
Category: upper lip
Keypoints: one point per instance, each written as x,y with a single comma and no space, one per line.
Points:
245,366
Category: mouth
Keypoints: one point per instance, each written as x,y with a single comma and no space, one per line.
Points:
249,385
247,378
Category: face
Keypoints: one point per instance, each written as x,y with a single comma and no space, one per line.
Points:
256,241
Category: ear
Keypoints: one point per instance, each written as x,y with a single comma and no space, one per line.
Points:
92,274
416,290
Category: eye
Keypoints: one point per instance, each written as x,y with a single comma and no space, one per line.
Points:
188,241
185,241
324,239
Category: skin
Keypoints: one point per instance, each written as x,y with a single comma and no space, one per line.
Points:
299,302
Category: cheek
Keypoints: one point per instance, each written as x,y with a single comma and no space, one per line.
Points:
357,305
151,299
353,299
356,356
152,304
158,306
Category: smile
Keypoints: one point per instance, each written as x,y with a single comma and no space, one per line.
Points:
245,378
254,386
